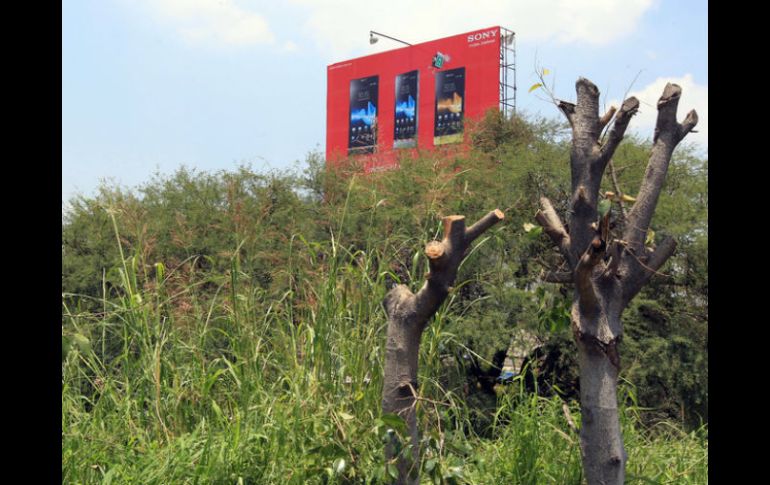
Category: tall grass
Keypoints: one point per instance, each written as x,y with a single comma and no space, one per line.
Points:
243,387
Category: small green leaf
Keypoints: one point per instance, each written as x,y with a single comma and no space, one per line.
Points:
394,421
535,86
650,239
430,465
338,466
160,271
346,416
210,380
66,346
84,345
393,471
217,410
532,230
416,259
108,477
604,207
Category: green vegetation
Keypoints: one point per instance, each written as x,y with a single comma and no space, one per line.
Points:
228,327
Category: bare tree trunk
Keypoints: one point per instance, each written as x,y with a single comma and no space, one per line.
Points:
408,315
608,273
601,441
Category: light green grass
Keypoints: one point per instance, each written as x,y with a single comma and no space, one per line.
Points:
246,387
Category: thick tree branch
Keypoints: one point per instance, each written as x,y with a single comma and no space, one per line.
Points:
587,301
642,269
558,277
607,117
568,109
668,133
587,113
688,124
667,104
444,258
436,253
454,231
587,99
483,224
628,109
661,254
551,223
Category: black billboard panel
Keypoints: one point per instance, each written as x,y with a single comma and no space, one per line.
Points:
362,132
450,106
405,122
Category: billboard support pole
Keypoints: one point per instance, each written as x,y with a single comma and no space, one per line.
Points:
373,39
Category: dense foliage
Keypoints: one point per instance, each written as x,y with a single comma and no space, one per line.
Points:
228,326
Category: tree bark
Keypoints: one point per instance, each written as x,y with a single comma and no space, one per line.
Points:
607,273
408,315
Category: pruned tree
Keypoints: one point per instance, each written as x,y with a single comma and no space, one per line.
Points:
607,272
408,315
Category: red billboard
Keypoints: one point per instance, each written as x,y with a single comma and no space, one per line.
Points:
416,97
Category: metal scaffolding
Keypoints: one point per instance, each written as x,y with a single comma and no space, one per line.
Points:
507,72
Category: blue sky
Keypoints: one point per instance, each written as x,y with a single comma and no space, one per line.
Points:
150,85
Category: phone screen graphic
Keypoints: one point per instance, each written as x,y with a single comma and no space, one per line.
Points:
405,123
362,132
450,94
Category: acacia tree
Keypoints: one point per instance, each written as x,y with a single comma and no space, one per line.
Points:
607,272
408,315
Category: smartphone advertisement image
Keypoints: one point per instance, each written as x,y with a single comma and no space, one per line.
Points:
362,133
405,123
450,91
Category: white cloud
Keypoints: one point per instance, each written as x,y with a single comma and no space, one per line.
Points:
218,22
338,25
341,27
290,46
694,96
